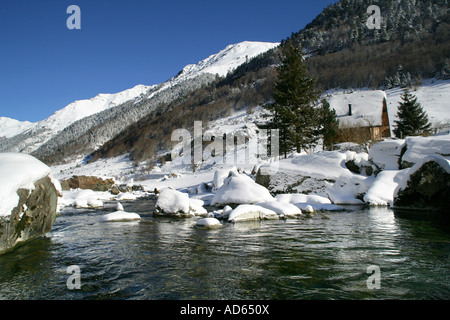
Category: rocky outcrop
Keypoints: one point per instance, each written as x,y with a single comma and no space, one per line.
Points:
32,217
427,186
285,181
87,182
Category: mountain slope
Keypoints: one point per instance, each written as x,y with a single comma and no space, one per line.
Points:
11,127
102,117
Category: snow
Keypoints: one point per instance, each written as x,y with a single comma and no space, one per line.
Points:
444,163
386,154
327,177
11,127
419,147
208,223
248,212
227,59
433,95
173,202
381,193
297,197
81,198
367,106
240,189
120,216
18,171
283,209
126,196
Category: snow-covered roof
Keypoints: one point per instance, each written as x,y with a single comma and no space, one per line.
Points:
366,107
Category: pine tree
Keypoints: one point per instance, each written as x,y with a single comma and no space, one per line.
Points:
330,125
295,110
412,119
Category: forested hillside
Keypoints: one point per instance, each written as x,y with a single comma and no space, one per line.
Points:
411,44
342,52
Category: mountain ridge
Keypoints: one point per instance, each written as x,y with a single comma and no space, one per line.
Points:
36,136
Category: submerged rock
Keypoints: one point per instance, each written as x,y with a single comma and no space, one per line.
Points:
426,187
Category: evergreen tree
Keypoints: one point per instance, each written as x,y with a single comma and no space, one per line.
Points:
295,110
330,125
412,119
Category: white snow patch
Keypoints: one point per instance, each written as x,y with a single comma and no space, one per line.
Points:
386,154
298,197
119,216
11,127
84,198
248,212
419,147
208,223
173,202
381,192
18,171
283,209
240,189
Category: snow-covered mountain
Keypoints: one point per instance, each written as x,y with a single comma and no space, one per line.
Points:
10,127
226,60
130,105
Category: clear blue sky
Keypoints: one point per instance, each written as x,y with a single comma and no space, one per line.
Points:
44,66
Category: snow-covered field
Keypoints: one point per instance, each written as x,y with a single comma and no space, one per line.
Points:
327,177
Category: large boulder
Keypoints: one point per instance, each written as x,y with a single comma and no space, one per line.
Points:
87,182
426,186
28,199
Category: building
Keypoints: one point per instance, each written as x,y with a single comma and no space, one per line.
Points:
361,115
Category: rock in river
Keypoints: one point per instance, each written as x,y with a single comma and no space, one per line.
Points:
426,187
28,199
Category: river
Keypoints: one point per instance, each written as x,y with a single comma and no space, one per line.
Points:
355,254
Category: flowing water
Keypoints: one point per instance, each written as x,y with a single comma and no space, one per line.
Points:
326,256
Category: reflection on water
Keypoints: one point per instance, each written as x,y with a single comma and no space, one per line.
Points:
323,257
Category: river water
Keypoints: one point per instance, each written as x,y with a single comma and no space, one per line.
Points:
325,256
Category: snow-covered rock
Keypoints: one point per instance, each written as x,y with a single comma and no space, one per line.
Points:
173,202
386,154
283,209
119,216
240,189
297,197
208,223
28,199
417,148
425,186
18,171
220,176
126,196
381,192
307,207
249,212
196,207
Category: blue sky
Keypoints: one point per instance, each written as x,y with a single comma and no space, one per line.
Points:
44,66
